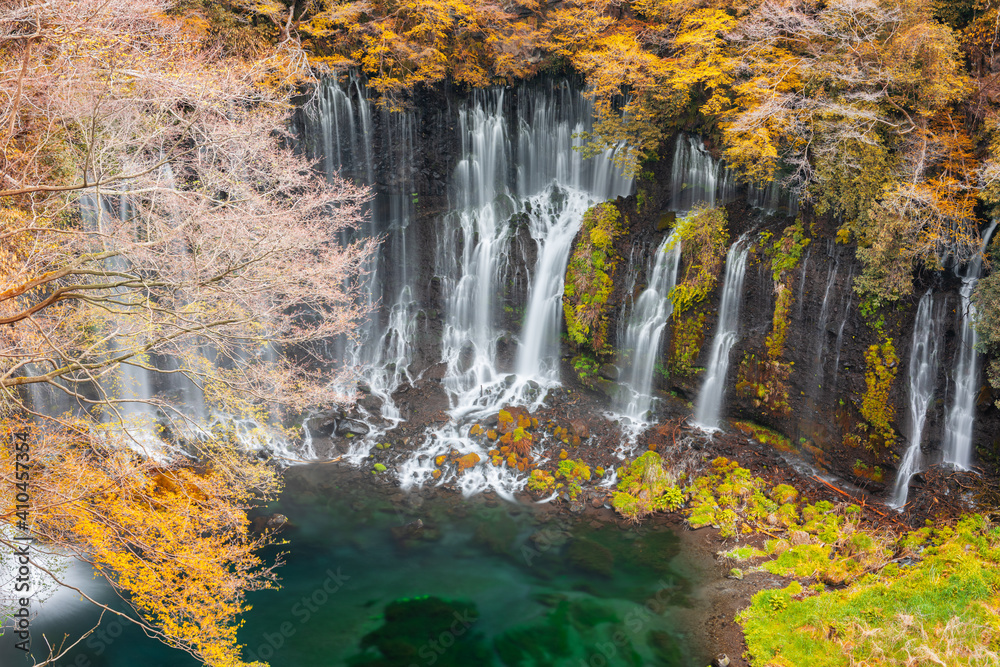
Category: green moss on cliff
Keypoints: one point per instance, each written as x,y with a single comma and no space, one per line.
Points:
590,277
764,378
704,238
881,366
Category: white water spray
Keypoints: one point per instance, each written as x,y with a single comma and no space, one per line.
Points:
708,407
957,447
923,374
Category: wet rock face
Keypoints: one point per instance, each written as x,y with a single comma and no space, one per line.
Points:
825,345
827,335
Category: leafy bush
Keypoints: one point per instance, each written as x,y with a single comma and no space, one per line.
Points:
645,487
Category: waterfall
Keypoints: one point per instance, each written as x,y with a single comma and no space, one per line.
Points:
957,447
709,404
846,312
819,359
803,274
471,277
639,347
554,230
130,390
773,198
698,178
923,374
518,167
538,178
340,130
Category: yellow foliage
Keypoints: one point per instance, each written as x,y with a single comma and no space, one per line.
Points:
174,540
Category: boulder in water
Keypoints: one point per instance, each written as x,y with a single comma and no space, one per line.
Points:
591,557
609,372
371,403
352,427
268,523
408,530
325,422
605,387
467,461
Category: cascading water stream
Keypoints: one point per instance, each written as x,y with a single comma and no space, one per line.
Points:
923,376
773,198
820,356
846,311
340,130
526,172
697,178
471,279
708,407
130,391
803,278
554,227
957,446
639,348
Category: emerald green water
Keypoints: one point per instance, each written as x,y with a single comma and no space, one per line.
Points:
481,583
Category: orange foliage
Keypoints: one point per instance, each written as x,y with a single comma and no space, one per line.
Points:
174,541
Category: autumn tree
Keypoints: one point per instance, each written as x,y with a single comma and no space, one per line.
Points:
156,221
852,103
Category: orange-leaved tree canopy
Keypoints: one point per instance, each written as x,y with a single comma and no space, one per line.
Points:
153,217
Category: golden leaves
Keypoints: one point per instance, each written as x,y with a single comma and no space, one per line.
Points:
175,540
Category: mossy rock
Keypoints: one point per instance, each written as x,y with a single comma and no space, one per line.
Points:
655,550
540,644
666,221
668,651
497,535
467,461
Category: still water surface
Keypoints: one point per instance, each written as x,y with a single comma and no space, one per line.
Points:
477,582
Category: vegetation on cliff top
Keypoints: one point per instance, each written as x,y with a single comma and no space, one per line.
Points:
876,112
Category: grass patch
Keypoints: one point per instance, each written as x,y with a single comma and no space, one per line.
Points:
941,610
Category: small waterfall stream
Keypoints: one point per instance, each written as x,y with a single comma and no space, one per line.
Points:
773,198
639,347
553,226
698,178
820,360
130,390
957,446
803,278
471,278
923,376
708,407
